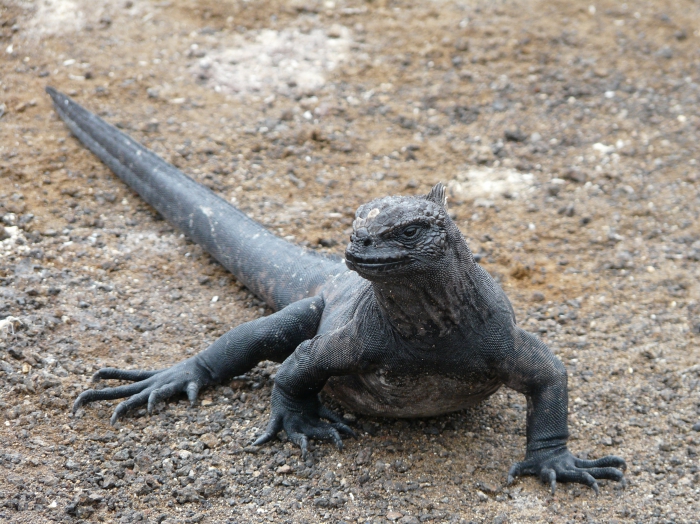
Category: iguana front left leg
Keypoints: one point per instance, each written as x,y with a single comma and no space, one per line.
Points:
268,338
532,369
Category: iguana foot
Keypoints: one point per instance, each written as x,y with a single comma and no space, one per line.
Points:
301,420
149,387
562,466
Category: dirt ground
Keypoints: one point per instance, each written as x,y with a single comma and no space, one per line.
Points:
568,135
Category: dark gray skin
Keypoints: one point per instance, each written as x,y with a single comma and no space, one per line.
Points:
408,325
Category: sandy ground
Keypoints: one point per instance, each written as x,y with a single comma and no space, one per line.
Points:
568,135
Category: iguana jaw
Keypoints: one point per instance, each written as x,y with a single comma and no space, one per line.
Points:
375,265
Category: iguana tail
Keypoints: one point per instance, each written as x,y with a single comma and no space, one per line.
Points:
275,270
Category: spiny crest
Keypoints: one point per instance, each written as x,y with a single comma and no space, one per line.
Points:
438,195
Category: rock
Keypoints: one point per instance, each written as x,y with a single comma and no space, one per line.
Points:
515,135
568,210
520,271
209,440
489,487
363,456
538,296
49,480
321,502
94,498
401,466
122,454
283,470
554,189
327,242
326,482
7,368
109,482
665,52
167,465
144,462
394,515
209,487
336,31
666,446
462,44
574,174
667,394
187,494
184,454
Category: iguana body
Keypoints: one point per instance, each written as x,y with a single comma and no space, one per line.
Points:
408,325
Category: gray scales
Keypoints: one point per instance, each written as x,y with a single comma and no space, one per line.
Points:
407,325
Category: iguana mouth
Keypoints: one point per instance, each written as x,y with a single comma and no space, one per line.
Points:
375,264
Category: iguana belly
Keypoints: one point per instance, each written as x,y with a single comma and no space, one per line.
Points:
407,397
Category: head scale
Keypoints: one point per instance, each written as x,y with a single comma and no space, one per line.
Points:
389,211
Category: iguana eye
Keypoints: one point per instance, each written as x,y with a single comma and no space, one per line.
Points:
410,231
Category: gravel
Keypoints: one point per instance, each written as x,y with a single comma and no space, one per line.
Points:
569,138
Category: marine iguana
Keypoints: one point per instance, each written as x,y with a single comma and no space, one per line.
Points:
407,325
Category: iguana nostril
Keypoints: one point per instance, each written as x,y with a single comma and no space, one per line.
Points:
367,242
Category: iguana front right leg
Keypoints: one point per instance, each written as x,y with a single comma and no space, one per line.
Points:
296,407
274,337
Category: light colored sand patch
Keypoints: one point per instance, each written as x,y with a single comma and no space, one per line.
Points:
61,17
286,62
15,243
150,241
490,183
58,16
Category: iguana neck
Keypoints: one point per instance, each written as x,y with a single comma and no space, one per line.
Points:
432,304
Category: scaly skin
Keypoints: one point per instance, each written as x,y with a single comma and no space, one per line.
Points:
408,326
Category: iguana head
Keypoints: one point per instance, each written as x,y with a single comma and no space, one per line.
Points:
400,235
